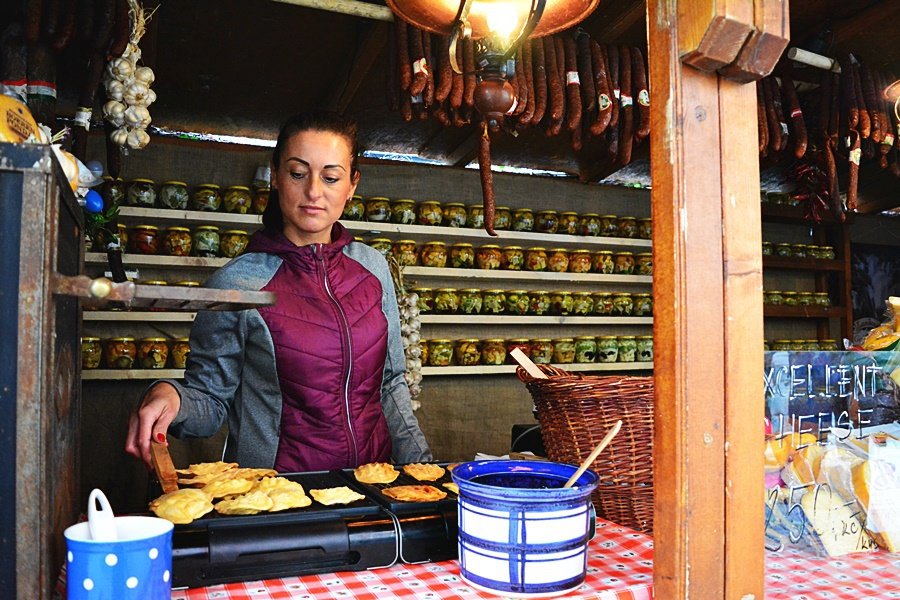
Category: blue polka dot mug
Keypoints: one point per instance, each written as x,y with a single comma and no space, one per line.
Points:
137,566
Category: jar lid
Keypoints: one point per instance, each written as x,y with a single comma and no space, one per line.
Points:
243,188
209,185
494,291
828,341
468,340
645,337
783,244
494,341
373,240
627,337
788,293
439,290
512,247
206,228
90,339
177,229
584,215
609,217
820,293
568,213
558,340
604,252
150,227
645,254
546,212
440,341
604,294
355,196
518,341
154,339
236,231
645,219
624,253
540,292
607,337
489,246
174,183
428,202
519,210
559,249
583,293
580,251
781,341
120,339
421,289
462,245
385,198
563,293
811,341
585,338
537,249
413,242
519,292
767,243
541,340
771,291
470,291
435,243
627,219
805,293
506,208
154,282
798,245
642,294
474,206
188,283
404,201
140,180
181,340
266,188
449,204
621,294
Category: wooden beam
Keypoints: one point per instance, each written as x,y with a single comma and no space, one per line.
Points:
712,32
612,29
366,56
347,7
764,45
708,467
466,151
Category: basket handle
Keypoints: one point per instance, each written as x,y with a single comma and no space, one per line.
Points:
548,370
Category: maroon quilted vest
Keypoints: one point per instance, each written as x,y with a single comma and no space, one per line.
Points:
330,338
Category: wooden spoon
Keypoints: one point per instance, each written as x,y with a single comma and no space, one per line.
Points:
594,454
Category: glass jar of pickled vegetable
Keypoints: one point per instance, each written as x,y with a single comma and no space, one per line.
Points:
546,221
455,215
502,218
522,344
580,261
804,298
378,209
645,229
425,346
523,220
811,345
475,216
383,245
603,303
644,350
582,303
512,258
237,199
821,299
609,226
206,198
144,239
603,262
355,209
623,263
773,297
180,350
643,305
446,300
767,249
798,346
141,192
488,257
536,259
564,350
585,349
783,250
404,252
790,298
177,241
829,345
206,241
623,305
153,353
607,349
440,352
120,352
541,352
233,242
403,211
426,299
434,254
539,303
781,345
174,194
589,224
568,223
90,352
467,352
113,191
561,303
558,260
643,263
470,301
493,302
798,250
462,256
627,227
493,352
261,201
517,302
627,348
766,347
828,253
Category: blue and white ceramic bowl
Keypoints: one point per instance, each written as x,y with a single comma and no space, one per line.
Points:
522,534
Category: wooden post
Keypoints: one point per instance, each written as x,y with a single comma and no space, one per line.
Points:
708,325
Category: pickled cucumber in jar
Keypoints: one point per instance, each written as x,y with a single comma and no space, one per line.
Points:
440,353
446,300
627,348
470,301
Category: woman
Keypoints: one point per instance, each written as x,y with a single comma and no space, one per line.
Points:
316,381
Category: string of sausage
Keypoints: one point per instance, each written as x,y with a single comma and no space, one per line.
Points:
643,95
554,85
601,84
762,129
528,114
573,83
798,127
445,71
626,101
779,112
586,73
418,64
771,117
469,81
853,180
487,178
539,62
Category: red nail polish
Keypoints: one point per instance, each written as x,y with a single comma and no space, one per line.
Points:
161,437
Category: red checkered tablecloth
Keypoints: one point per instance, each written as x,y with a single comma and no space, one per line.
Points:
620,567
797,575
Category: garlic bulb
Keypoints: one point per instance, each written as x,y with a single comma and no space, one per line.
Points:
410,336
120,68
114,89
114,111
119,136
137,139
136,93
137,116
150,99
145,75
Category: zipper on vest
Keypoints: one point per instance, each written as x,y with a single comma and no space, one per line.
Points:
317,251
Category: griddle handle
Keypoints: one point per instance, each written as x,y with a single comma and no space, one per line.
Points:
229,544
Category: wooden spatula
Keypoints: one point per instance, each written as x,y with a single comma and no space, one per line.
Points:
162,464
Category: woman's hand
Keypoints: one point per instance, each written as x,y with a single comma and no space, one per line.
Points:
151,420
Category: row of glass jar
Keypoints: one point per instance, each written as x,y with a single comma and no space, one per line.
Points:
204,241
379,209
780,298
464,255
582,349
786,250
538,302
802,345
207,197
126,353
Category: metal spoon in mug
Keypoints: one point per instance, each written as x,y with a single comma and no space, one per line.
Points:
101,521
594,454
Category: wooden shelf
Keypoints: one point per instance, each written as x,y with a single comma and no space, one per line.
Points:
529,276
156,260
803,312
462,319
138,315
501,369
805,264
119,374
793,214
135,215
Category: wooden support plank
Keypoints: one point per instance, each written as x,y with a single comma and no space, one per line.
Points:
365,58
712,32
764,45
707,462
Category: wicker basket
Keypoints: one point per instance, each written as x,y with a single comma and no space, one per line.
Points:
576,411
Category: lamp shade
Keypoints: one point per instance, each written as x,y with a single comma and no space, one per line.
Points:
437,16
